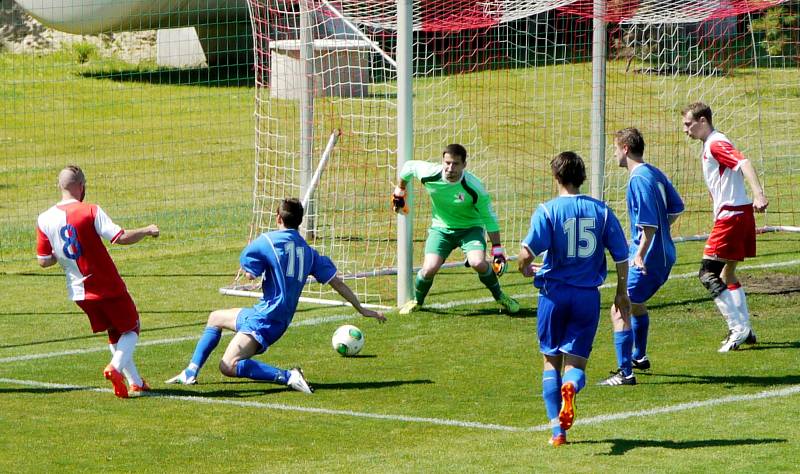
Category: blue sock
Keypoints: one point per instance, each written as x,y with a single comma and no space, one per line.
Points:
207,343
577,377
253,369
623,343
640,326
551,393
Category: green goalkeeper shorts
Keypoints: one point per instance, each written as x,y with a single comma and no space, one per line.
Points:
443,241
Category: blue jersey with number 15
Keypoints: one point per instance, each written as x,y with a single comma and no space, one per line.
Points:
286,260
574,231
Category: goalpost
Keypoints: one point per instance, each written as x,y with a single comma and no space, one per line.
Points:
515,82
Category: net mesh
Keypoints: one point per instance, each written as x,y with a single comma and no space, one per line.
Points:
163,138
512,82
165,132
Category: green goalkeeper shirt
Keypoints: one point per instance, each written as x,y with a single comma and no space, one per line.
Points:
459,205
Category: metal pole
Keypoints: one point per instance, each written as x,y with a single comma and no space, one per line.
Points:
405,146
598,119
306,109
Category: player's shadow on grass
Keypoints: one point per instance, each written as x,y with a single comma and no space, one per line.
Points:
620,446
482,292
367,385
764,346
737,380
460,312
250,388
43,390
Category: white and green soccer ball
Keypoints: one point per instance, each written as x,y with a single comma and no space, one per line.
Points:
347,340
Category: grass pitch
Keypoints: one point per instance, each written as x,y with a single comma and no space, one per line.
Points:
455,388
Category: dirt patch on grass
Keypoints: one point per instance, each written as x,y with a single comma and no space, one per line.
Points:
772,284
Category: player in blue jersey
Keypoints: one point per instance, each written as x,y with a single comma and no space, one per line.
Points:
573,231
286,261
653,205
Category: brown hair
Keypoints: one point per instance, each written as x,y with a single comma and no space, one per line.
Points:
698,110
633,139
568,168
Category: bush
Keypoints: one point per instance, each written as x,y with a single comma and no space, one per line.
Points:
84,51
775,25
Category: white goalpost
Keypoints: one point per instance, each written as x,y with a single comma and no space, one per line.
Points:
515,82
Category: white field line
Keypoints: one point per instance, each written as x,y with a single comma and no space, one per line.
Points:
104,348
787,391
683,276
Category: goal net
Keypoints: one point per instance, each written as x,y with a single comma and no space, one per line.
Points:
513,82
164,136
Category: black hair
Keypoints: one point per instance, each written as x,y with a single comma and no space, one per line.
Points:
291,211
454,149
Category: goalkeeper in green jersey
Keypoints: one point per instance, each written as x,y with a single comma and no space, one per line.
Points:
462,211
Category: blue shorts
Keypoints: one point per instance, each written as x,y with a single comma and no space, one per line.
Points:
642,287
264,329
567,319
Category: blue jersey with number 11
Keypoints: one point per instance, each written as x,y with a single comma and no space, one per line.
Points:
286,260
574,231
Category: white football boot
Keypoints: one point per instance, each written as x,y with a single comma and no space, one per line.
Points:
297,381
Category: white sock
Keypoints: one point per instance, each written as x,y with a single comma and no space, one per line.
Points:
740,300
122,358
727,307
130,371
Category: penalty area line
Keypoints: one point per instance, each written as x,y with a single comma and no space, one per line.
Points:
783,392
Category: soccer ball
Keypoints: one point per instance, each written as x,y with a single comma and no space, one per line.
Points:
347,340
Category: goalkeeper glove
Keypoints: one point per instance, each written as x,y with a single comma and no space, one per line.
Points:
399,202
498,260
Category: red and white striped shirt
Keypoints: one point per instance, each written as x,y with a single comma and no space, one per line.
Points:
71,232
724,178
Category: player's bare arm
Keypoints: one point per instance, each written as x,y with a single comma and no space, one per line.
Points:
129,237
621,301
648,233
760,201
495,238
525,263
346,293
47,261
